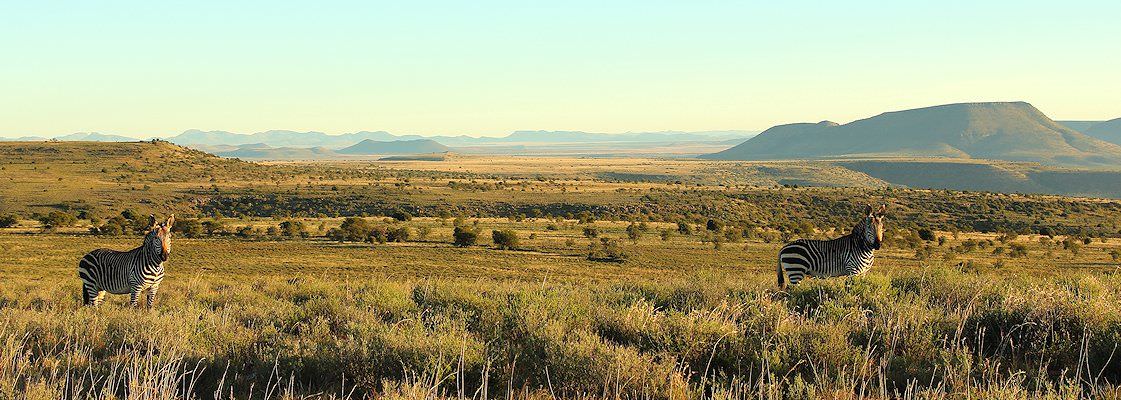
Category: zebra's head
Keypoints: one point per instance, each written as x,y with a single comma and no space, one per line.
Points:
871,227
159,236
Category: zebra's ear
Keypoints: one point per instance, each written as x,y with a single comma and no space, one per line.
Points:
882,210
170,221
152,221
868,210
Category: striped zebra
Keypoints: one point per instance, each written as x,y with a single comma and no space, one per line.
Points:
847,255
133,271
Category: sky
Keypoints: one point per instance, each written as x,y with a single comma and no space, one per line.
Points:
154,69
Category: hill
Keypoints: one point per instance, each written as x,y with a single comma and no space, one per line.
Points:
1014,131
262,151
1080,126
95,137
1109,131
372,147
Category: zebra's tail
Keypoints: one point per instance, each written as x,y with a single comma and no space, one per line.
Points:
781,276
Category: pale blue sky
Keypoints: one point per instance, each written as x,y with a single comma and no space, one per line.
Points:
486,68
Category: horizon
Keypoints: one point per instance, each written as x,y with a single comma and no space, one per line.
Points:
153,70
750,132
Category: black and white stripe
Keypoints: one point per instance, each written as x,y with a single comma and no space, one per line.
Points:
852,254
120,272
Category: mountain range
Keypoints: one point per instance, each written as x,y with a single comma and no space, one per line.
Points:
262,151
1013,131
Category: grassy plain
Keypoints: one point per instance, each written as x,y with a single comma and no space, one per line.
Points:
1008,313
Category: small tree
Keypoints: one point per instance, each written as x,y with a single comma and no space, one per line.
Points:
464,236
505,239
57,219
633,232
353,229
399,235
293,228
214,227
401,215
684,228
606,249
189,228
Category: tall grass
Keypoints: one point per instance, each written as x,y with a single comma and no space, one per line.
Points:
927,334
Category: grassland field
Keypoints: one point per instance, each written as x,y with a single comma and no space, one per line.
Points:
1026,309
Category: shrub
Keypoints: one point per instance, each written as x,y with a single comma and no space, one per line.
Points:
189,228
606,249
714,225
633,232
505,239
293,228
590,233
464,236
8,221
353,229
684,228
214,227
399,235
926,234
245,231
57,219
401,215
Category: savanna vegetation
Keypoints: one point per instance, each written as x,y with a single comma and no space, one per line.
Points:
504,282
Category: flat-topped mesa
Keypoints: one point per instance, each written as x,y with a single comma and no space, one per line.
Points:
1014,131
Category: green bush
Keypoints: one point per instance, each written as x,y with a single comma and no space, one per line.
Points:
399,234
464,236
353,229
293,228
190,228
401,215
606,249
505,239
8,221
57,219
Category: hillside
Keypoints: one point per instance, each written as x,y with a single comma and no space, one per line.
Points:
1109,131
375,147
261,151
1002,131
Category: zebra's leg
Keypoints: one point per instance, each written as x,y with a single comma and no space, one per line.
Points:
152,294
134,297
88,294
99,298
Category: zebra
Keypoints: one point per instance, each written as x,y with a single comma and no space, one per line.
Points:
847,255
133,271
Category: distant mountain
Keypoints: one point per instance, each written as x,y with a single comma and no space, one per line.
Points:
280,138
263,151
372,147
1109,131
24,139
1080,126
94,137
276,138
75,137
591,137
1014,131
